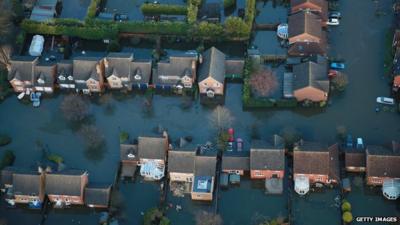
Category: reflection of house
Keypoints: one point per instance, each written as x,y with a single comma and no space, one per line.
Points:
44,78
212,73
88,73
152,153
97,196
65,77
28,188
316,162
210,12
354,160
66,188
44,10
310,82
181,168
305,35
235,164
266,160
121,71
21,72
382,163
129,160
318,7
204,178
177,73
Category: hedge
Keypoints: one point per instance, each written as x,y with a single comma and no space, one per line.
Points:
250,12
192,13
236,27
167,27
163,9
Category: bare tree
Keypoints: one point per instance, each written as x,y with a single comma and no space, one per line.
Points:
75,108
263,82
6,28
207,218
221,118
94,141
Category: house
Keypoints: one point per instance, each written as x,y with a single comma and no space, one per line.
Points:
266,160
177,73
67,187
65,78
28,188
45,77
152,153
181,170
97,196
382,163
123,72
354,160
235,164
317,7
21,72
212,73
305,35
204,178
88,73
315,163
310,82
129,160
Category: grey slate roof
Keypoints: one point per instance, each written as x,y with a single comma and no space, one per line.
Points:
152,147
205,165
45,72
310,74
26,183
181,161
85,68
176,68
236,163
22,68
97,195
304,22
118,64
265,156
213,65
64,183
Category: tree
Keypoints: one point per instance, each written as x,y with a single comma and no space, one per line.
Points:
207,218
236,27
347,217
340,81
346,206
94,141
75,108
290,135
221,118
263,82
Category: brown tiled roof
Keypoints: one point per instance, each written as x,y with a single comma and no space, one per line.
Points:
65,183
205,165
22,68
235,163
334,172
319,3
152,147
311,158
27,183
307,48
304,22
264,156
181,161
354,158
382,162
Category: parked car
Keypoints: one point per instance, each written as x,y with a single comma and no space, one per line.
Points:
333,21
121,17
335,14
385,100
337,65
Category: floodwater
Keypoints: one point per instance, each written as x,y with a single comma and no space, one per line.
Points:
359,40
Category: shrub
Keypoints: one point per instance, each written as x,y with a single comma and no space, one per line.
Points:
192,13
346,206
92,9
250,12
55,158
8,159
229,3
75,108
347,217
5,140
157,9
209,30
236,27
123,136
340,81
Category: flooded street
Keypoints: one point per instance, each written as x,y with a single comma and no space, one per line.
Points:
359,40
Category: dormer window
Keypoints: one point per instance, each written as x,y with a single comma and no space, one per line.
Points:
61,78
40,81
138,77
70,78
131,156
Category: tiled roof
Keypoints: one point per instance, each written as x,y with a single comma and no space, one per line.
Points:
152,147
181,161
64,183
265,156
382,162
205,165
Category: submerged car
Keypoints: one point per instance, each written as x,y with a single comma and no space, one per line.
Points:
333,21
385,100
337,65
